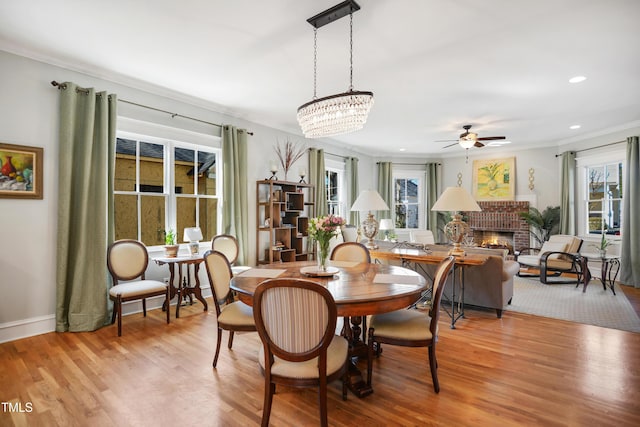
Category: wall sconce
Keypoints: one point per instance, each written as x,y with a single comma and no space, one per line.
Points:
531,186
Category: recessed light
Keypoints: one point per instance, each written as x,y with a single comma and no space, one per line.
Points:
403,149
573,127
577,79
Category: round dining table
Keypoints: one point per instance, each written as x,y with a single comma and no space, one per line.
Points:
358,289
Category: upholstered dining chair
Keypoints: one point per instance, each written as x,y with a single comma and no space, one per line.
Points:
410,327
296,320
231,315
422,236
228,245
127,261
351,251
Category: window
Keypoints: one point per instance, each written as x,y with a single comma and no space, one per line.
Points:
407,209
604,198
334,183
161,185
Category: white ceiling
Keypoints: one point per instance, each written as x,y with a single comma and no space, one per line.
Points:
433,65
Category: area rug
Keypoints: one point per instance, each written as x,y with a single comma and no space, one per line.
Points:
594,307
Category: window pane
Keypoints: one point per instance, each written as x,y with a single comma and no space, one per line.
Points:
184,169
152,212
125,167
596,182
185,214
614,219
412,190
401,216
401,190
208,217
151,167
412,216
126,216
206,173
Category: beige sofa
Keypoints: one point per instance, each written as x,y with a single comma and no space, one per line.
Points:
489,285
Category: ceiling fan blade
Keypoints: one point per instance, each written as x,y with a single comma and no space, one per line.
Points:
450,145
478,144
490,138
445,140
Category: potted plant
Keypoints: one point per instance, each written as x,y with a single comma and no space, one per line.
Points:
603,245
170,246
542,224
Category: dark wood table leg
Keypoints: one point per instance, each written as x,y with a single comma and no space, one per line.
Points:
172,289
196,290
357,350
180,291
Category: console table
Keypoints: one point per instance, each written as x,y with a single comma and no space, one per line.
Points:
411,258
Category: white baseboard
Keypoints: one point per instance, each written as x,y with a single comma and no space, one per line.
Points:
19,329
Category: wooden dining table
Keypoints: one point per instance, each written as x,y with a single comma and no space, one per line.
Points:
358,289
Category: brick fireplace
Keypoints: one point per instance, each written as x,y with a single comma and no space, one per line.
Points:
499,224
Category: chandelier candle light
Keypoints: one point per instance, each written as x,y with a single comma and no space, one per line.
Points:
456,199
341,113
368,201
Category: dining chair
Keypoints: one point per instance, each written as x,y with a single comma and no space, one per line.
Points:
351,251
233,316
228,245
296,320
411,327
127,261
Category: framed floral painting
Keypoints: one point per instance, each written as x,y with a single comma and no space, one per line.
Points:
20,172
494,179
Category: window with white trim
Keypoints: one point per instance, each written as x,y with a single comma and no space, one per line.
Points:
408,210
335,187
601,193
165,185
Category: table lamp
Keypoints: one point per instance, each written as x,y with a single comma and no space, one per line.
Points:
456,200
193,235
367,201
386,224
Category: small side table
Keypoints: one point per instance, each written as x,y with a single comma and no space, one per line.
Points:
184,287
609,269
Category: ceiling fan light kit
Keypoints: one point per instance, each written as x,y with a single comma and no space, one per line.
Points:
341,113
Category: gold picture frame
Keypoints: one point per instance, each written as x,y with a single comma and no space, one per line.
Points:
20,172
494,179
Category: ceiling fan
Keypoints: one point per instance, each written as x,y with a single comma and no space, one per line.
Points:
470,139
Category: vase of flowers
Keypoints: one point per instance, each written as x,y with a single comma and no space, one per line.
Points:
321,230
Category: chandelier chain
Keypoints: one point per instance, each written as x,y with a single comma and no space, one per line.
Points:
315,62
351,51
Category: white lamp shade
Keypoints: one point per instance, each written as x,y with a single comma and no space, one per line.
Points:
456,199
192,234
369,200
386,224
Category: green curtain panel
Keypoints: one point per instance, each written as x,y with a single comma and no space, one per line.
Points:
432,187
234,188
317,177
568,194
630,250
353,188
86,164
385,187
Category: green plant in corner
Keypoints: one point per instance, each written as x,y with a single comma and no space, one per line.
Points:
542,224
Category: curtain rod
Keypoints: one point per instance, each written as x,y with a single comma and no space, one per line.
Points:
173,115
410,164
593,148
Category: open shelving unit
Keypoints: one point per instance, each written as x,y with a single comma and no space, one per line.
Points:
283,212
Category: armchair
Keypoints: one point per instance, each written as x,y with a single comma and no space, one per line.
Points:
560,254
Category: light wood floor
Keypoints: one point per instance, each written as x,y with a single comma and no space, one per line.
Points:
519,370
